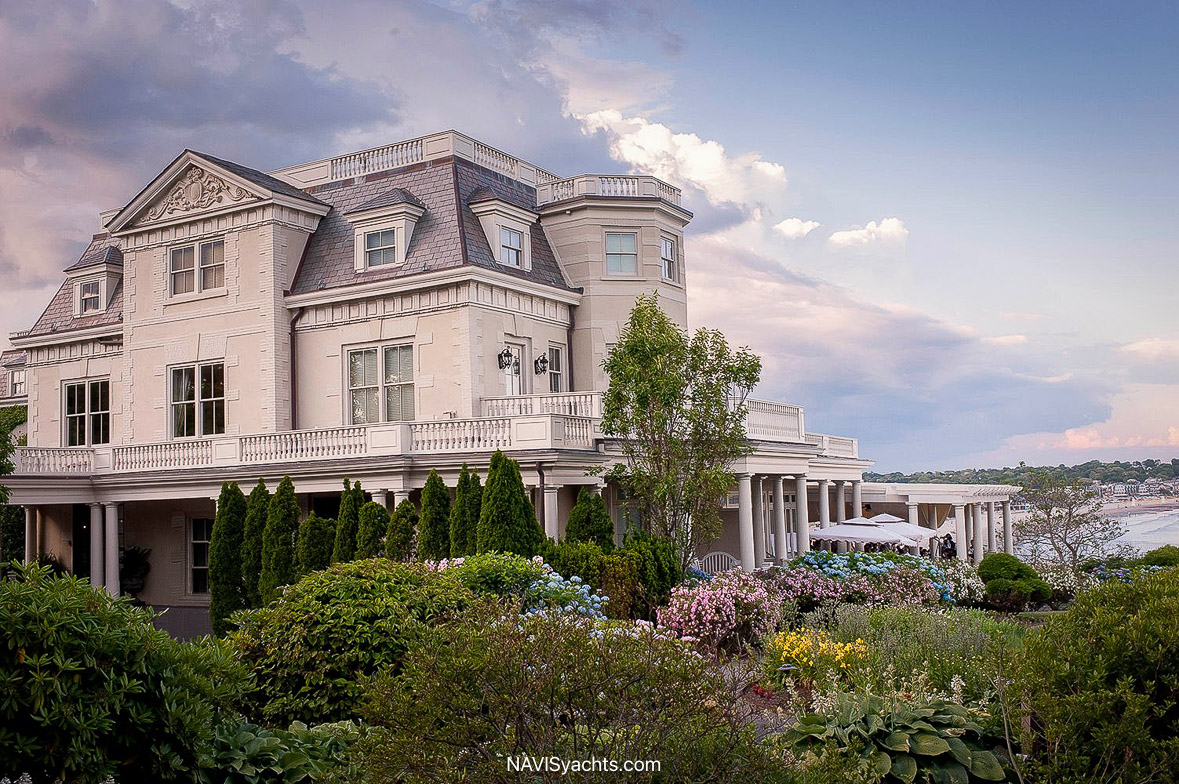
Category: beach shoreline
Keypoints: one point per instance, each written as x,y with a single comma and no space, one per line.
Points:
1131,508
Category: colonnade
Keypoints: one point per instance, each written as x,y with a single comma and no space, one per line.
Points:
976,531
754,515
104,543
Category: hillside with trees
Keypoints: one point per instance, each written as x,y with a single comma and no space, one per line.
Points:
1093,470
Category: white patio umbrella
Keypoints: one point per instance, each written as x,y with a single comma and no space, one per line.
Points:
885,517
860,530
911,531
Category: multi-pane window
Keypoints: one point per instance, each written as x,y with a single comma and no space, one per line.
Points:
381,378
90,302
202,532
16,383
380,248
88,413
198,400
622,253
182,268
556,368
667,254
511,247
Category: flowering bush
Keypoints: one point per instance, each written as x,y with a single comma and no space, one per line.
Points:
811,655
1124,574
1066,582
538,586
963,584
732,609
868,578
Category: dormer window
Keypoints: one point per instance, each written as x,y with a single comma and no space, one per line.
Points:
380,248
383,229
182,268
511,247
508,229
90,297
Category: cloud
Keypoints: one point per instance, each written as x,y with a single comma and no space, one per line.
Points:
1006,340
1153,350
794,228
890,231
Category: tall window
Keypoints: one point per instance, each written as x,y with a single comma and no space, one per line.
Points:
183,272
198,400
88,413
16,383
667,254
511,247
380,248
213,265
381,377
622,254
202,532
556,368
89,295
183,276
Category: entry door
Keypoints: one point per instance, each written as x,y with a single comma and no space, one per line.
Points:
81,548
513,375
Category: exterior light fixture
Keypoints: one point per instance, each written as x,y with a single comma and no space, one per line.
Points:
505,358
541,364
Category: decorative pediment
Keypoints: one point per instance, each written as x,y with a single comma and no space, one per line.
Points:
196,191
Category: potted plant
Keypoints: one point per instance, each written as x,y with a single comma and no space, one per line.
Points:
133,568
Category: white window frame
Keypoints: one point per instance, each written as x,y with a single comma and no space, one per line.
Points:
91,416
385,381
507,250
18,383
382,248
196,269
516,370
670,264
193,543
608,253
94,294
496,216
202,428
557,368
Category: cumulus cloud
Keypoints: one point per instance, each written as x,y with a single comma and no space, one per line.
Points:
890,231
1153,350
795,228
1006,340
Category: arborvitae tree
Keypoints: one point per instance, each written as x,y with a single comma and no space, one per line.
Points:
399,542
257,508
590,522
347,526
226,592
464,515
278,541
434,530
314,549
507,521
374,524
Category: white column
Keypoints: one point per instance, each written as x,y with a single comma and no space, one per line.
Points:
745,521
960,530
824,503
912,513
381,497
980,534
840,501
551,527
801,515
759,522
992,534
111,535
30,534
97,562
780,541
1008,544
399,496
857,499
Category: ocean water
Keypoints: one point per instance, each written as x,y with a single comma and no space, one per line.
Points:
1148,530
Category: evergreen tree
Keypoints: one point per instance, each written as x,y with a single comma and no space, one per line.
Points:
399,541
257,508
507,521
374,523
434,531
464,515
278,541
314,549
347,526
590,522
226,592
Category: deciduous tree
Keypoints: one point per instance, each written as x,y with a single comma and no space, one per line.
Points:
1066,524
434,529
278,541
227,593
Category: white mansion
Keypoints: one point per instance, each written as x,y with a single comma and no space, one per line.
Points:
374,316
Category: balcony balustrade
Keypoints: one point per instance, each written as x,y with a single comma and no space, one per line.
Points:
637,186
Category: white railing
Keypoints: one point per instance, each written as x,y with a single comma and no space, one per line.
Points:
579,431
304,445
579,404
495,160
461,435
769,421
41,460
170,454
626,186
391,156
834,446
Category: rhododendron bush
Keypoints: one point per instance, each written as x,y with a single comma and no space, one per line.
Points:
726,612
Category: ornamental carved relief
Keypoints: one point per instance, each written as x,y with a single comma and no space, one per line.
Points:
197,190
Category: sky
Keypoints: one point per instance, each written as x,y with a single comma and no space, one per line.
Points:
947,228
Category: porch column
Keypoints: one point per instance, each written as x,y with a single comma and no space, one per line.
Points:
96,556
399,496
801,515
30,534
745,520
960,530
1008,544
551,527
857,499
840,501
381,497
992,534
980,535
111,569
912,513
824,503
781,544
759,522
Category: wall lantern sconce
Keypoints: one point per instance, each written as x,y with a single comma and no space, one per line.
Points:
541,364
505,358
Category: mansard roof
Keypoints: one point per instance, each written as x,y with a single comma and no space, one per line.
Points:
13,358
59,315
103,249
388,199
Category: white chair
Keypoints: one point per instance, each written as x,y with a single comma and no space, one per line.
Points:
717,562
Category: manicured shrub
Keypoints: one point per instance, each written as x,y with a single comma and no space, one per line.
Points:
533,583
278,541
313,551
620,582
347,525
401,539
91,690
257,509
244,753
226,591
372,529
464,515
312,652
570,558
659,571
1010,583
1100,681
507,521
434,527
590,522
1167,555
726,613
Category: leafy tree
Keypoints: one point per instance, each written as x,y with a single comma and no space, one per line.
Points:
313,552
374,524
12,534
226,591
1065,525
348,524
399,541
590,522
434,531
257,509
464,515
507,521
278,541
676,404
